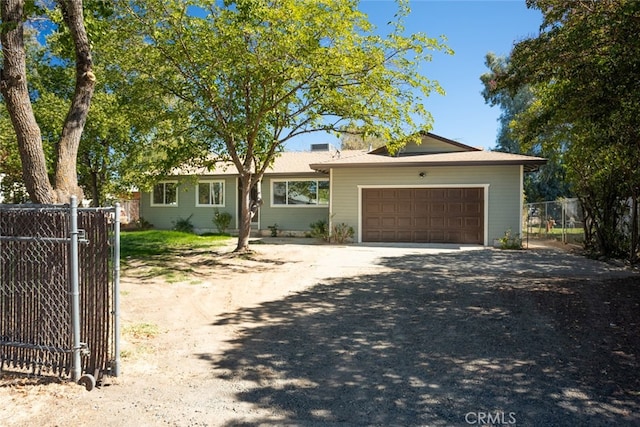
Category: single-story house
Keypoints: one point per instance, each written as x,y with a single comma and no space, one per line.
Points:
439,191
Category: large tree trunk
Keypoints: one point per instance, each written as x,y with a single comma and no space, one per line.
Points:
66,179
13,84
244,224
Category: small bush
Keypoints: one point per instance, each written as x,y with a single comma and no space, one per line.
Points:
320,230
142,224
222,220
510,241
342,233
183,224
274,230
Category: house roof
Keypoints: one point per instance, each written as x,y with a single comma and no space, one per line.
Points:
433,151
286,163
459,158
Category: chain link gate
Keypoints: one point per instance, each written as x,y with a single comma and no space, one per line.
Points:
59,279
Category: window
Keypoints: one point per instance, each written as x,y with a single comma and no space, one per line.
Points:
210,193
301,193
165,194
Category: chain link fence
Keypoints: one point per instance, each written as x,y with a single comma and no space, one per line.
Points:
59,278
560,220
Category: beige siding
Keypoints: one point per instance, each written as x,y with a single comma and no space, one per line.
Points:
503,197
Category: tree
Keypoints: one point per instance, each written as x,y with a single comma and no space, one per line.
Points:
353,139
15,90
584,68
549,183
246,76
11,183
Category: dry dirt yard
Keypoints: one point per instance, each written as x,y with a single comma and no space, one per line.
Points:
302,334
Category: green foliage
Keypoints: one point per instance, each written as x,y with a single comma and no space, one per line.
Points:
142,224
239,79
338,233
222,220
342,233
183,224
274,230
583,70
550,182
147,244
354,139
320,230
118,128
12,186
510,240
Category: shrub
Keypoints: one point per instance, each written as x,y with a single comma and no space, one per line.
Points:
342,233
274,230
183,224
320,230
142,224
222,220
510,241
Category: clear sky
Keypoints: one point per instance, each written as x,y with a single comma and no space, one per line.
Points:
472,28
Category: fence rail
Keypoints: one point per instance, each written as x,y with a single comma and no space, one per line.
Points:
559,220
58,278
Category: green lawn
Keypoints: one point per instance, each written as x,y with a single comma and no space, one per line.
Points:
146,244
572,235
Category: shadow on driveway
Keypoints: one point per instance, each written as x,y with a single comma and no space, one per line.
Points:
532,338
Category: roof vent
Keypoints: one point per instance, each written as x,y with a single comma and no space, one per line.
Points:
321,147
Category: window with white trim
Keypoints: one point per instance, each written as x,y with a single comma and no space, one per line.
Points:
210,193
313,192
165,194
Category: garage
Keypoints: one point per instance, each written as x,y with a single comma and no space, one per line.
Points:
423,215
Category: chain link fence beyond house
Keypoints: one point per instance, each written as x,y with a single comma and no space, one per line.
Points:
560,220
59,274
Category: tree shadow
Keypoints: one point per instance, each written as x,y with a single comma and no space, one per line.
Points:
191,263
443,339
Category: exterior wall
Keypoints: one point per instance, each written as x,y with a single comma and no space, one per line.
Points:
431,145
503,193
164,217
290,218
503,198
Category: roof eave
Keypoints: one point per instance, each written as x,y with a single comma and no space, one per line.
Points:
529,165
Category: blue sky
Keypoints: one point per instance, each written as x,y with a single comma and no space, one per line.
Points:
472,28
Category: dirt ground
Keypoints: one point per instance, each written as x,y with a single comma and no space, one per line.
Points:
304,334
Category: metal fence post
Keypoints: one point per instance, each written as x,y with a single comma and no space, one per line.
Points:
116,292
75,290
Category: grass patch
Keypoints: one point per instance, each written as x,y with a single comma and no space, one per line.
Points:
150,243
141,331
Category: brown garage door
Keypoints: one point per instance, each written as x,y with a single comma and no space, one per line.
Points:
424,215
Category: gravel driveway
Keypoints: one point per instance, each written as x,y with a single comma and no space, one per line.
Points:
317,335
437,337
